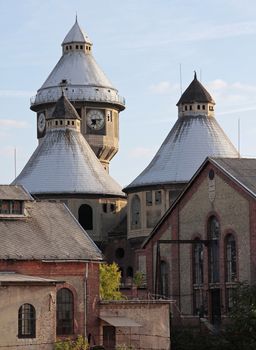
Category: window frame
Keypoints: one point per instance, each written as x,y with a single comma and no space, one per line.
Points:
27,320
70,320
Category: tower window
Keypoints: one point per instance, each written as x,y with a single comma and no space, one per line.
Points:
104,207
77,47
81,47
61,122
68,122
198,107
67,48
89,48
85,216
73,123
190,108
70,46
86,47
112,207
135,212
158,197
203,106
56,122
186,108
149,198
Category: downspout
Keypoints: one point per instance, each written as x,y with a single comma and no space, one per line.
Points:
85,298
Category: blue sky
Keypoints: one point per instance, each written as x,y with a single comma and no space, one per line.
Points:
140,45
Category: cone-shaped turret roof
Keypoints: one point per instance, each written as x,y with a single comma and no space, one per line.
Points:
77,69
193,137
76,35
195,92
64,109
65,163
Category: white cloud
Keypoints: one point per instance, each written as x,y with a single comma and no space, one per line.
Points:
13,123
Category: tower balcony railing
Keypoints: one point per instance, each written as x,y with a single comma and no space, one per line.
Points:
51,95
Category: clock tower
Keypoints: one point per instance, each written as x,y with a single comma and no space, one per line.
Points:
95,99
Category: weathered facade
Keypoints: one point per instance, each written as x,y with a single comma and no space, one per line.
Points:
204,244
59,265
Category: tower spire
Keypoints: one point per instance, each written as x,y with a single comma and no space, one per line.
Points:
195,76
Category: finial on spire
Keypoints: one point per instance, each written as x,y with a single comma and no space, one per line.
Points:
195,77
76,17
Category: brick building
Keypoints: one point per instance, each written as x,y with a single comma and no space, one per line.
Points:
205,243
49,273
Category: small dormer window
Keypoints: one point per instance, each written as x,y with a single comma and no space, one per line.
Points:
10,207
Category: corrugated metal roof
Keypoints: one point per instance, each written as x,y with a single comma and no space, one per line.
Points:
49,232
189,142
14,192
11,277
65,163
76,34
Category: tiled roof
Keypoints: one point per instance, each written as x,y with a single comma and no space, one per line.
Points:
189,142
243,170
14,192
48,232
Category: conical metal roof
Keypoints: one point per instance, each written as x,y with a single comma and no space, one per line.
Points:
189,142
195,92
64,163
77,69
76,34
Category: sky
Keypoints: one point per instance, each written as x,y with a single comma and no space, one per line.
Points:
142,46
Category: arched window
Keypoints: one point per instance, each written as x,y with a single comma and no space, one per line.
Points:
230,258
164,279
135,212
27,321
214,235
198,275
85,217
65,312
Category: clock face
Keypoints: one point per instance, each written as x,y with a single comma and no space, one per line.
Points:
41,122
95,119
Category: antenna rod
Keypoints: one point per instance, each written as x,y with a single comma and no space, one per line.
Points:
238,136
15,162
180,80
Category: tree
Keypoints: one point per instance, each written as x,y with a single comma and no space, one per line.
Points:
110,279
241,332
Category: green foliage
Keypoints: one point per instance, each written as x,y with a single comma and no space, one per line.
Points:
79,344
110,279
124,347
241,331
138,279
